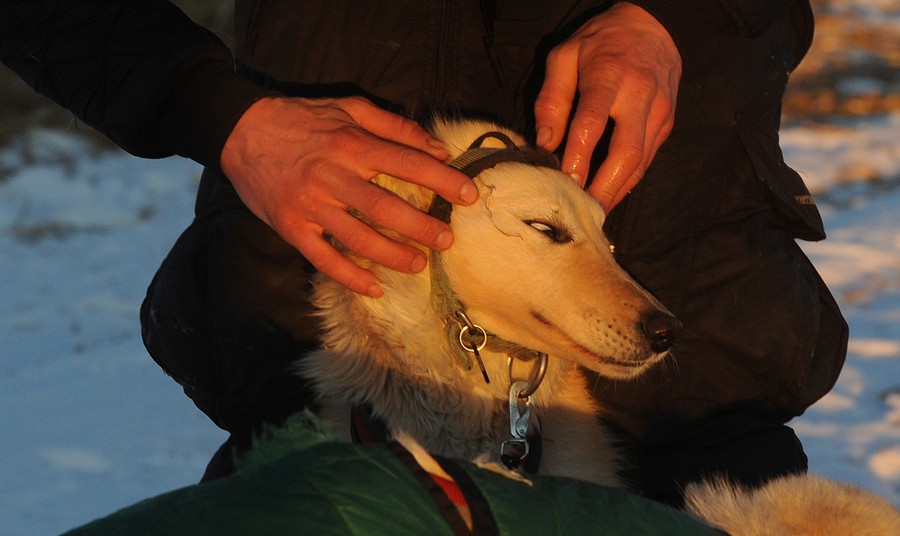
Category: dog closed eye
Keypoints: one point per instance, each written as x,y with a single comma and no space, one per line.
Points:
558,234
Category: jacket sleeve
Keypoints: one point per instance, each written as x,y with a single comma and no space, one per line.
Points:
740,18
139,71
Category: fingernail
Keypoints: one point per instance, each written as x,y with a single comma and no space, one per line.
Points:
374,292
544,134
468,193
443,241
418,264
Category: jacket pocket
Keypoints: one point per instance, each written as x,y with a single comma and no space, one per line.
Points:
788,195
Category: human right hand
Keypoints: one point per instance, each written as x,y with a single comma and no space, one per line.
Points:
301,164
623,65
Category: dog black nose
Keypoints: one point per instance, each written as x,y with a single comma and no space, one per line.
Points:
661,330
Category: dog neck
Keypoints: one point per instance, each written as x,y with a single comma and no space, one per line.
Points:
472,338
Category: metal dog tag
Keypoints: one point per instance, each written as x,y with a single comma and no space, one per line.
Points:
514,451
519,410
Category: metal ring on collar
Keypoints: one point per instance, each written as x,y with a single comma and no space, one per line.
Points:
469,344
537,375
464,330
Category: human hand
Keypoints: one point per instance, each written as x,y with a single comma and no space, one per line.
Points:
623,64
300,165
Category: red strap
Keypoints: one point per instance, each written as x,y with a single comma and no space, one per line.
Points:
451,490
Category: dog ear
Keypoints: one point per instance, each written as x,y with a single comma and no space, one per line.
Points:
459,134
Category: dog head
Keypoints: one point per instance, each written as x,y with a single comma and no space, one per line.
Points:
531,264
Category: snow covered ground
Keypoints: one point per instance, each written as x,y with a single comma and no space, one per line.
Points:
853,167
89,424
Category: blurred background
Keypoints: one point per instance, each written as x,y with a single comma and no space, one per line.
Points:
853,67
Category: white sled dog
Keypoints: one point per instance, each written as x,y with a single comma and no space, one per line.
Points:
478,357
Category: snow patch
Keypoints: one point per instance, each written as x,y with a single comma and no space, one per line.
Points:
874,348
885,463
73,459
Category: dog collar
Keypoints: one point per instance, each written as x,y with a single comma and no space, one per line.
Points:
477,159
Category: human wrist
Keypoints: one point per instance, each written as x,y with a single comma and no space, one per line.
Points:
209,103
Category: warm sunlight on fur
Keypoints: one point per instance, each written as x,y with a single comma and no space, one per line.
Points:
793,506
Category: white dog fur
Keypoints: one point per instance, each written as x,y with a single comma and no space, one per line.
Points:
798,505
531,265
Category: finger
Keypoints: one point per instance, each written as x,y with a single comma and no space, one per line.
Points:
554,101
411,165
369,243
622,192
626,156
609,192
586,129
394,127
405,160
389,211
333,264
659,126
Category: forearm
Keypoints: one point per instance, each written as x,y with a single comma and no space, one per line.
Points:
139,71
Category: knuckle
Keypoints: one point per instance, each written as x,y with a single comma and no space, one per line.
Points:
323,262
591,116
426,230
346,139
383,208
645,83
408,160
399,260
562,52
548,102
323,256
666,100
318,170
354,103
632,153
665,130
668,128
357,238
640,168
604,76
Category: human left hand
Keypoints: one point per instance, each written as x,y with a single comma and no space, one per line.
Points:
304,167
623,65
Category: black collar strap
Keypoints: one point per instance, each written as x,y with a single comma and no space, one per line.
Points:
477,159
